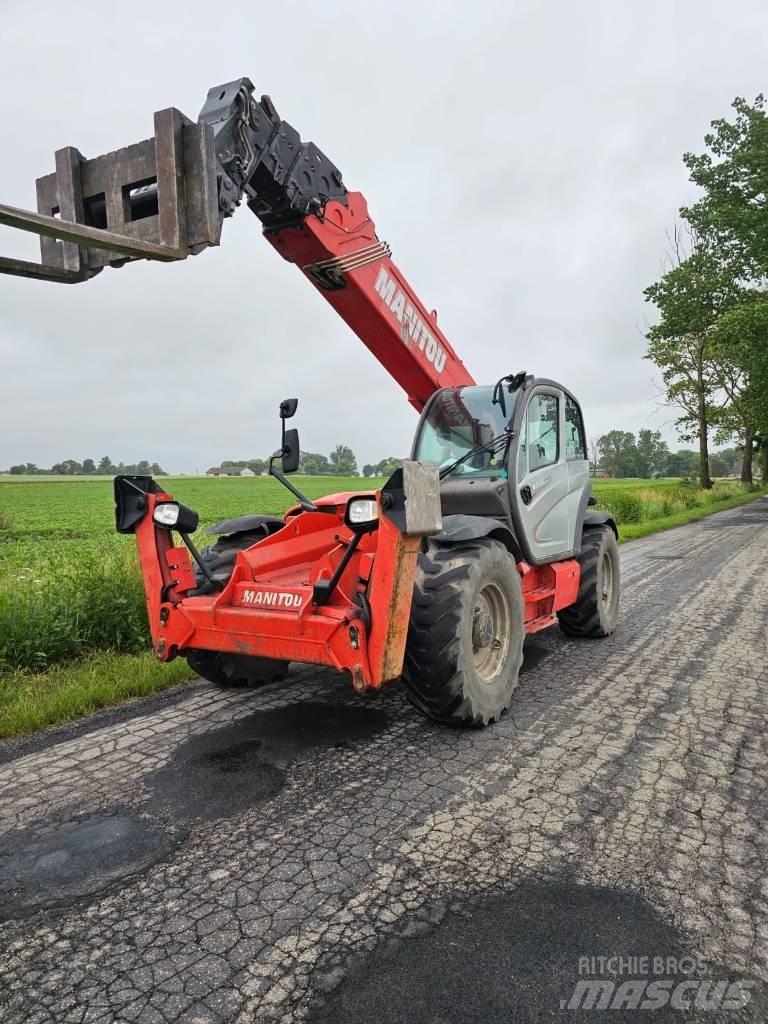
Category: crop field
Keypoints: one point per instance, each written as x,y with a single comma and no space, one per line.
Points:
70,584
71,599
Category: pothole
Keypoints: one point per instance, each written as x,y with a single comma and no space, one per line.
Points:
57,864
514,956
220,773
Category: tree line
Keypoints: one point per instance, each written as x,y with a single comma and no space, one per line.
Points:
105,467
620,454
711,338
340,462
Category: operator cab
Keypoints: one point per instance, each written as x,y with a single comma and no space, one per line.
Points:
515,452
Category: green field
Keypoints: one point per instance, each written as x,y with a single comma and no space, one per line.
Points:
69,584
73,630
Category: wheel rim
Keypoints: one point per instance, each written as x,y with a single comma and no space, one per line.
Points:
608,581
490,631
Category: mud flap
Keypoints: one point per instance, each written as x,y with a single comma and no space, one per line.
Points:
410,503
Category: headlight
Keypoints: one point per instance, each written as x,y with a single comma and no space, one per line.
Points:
172,515
167,514
362,510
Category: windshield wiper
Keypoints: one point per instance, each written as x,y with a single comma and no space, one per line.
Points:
504,439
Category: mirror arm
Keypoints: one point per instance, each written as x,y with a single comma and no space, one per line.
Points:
306,504
199,559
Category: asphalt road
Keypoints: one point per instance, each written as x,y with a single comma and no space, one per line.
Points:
299,853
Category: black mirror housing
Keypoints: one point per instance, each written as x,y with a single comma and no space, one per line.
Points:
291,453
130,500
288,408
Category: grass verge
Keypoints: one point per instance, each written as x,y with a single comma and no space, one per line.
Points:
32,701
632,531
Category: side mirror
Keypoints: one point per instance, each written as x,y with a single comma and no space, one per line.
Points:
291,451
288,408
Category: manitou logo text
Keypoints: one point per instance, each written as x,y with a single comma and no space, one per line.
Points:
272,599
413,326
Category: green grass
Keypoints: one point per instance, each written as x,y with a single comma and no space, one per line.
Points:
32,701
73,628
640,510
631,531
70,585
83,508
68,602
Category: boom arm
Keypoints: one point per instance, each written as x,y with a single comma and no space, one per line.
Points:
342,256
166,198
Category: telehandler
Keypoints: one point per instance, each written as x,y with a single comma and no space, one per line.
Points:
488,531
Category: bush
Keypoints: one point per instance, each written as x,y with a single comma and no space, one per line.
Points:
641,505
61,609
625,508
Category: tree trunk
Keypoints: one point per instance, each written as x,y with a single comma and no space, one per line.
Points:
765,463
746,462
704,477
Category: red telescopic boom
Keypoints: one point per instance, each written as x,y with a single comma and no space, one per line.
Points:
340,253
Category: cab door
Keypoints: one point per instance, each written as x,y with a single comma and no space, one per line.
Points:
579,487
541,496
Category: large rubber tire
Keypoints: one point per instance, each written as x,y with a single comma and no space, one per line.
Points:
465,640
235,671
596,609
224,669
219,558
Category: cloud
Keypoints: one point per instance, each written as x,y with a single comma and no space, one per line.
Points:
522,160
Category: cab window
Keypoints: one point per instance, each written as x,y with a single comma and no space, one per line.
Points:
543,430
575,444
459,420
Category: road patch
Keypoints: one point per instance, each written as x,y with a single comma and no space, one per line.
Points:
221,773
57,864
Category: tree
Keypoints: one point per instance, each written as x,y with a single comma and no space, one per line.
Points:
683,463
690,297
652,453
89,466
105,467
343,461
741,341
618,453
388,466
724,462
594,454
18,470
67,468
761,446
733,174
313,464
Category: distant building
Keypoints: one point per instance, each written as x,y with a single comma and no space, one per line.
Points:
247,472
227,471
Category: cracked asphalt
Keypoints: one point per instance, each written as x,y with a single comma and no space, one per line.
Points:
298,853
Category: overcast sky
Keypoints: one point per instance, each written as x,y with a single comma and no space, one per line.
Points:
523,160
